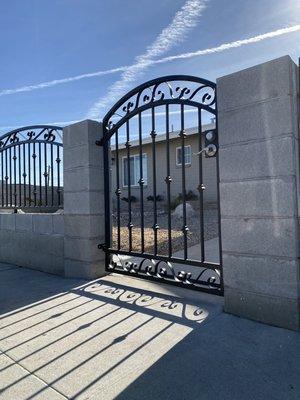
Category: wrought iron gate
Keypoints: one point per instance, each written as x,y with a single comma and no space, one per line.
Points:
146,163
31,172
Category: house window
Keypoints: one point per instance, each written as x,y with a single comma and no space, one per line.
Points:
187,155
134,169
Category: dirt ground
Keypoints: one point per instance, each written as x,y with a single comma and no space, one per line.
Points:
193,223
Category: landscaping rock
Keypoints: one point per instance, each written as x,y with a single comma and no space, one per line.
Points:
179,210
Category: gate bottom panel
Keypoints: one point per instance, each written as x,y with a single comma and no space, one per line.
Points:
189,274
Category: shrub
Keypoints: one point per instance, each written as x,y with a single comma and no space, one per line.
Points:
158,198
190,195
29,200
133,199
175,202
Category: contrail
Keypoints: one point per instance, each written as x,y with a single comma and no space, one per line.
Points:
55,82
198,53
231,45
184,20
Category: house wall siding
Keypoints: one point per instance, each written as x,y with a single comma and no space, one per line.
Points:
191,171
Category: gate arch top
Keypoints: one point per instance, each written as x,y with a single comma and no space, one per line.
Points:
192,91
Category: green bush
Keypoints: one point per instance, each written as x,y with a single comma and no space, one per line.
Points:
189,196
175,202
158,198
133,199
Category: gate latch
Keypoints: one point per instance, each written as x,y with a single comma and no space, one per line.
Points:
210,151
211,144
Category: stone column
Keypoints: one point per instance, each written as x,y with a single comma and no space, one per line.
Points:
259,192
83,200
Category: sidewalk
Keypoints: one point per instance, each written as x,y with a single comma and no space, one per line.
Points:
124,338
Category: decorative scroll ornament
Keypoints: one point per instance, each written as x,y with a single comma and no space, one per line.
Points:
31,134
163,270
170,89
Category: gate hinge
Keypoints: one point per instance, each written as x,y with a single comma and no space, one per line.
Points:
99,142
102,246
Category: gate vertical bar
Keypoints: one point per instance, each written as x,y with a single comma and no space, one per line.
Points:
58,176
51,170
29,173
141,183
118,190
10,179
24,174
15,177
168,181
200,187
153,135
40,172
184,227
130,226
20,174
6,179
46,174
34,174
2,179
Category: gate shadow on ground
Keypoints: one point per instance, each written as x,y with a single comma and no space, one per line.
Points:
156,304
108,340
96,331
224,358
227,359
21,286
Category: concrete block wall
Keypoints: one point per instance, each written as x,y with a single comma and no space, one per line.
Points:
33,240
259,192
83,200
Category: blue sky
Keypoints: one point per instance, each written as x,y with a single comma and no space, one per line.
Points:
43,40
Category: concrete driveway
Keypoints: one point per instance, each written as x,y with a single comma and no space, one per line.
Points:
211,251
124,338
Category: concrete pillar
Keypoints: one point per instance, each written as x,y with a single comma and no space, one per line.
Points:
83,200
259,171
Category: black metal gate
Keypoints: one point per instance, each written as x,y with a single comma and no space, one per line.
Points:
160,155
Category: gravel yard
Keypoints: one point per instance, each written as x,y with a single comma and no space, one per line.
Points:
210,230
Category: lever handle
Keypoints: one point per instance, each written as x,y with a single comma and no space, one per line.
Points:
210,150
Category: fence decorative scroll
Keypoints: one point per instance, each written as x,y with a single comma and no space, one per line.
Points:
166,90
